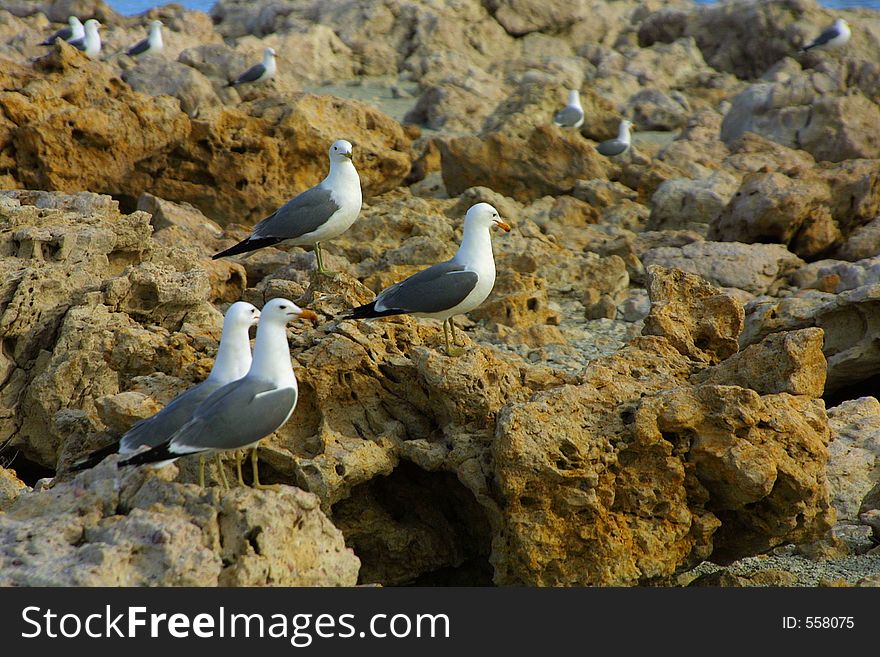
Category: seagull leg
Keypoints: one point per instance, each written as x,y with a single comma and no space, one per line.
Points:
451,350
221,474
238,468
201,470
319,257
256,482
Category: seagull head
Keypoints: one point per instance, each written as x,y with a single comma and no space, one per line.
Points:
485,215
156,25
840,24
241,314
73,21
92,25
281,311
340,151
268,53
626,125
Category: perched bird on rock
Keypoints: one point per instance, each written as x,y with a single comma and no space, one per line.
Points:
232,362
318,214
152,44
73,31
258,72
836,36
620,144
572,115
240,414
449,288
90,42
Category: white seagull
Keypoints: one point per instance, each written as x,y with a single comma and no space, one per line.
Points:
152,44
242,413
232,362
318,214
572,115
612,147
836,36
73,31
258,72
449,288
90,42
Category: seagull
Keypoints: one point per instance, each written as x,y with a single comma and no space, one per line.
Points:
152,44
258,72
231,363
73,31
835,36
318,214
90,42
572,115
449,288
611,147
242,413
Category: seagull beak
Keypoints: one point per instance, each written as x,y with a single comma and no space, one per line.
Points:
348,155
308,314
503,226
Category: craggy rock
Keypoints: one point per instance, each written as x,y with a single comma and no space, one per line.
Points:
10,487
138,529
550,163
697,319
92,132
790,362
854,466
750,267
850,321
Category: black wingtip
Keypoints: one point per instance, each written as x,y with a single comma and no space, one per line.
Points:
95,457
154,455
245,246
368,311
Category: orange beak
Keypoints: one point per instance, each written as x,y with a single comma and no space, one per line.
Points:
308,314
503,226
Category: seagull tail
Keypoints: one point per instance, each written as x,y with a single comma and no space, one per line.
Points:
250,244
95,457
232,83
159,453
368,311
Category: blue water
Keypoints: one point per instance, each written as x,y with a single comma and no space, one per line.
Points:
130,7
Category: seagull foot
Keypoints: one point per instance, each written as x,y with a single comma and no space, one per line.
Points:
455,352
276,487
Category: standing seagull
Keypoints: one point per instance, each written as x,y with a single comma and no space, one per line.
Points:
450,288
72,32
152,44
318,214
232,362
258,72
834,37
612,147
242,413
90,43
572,115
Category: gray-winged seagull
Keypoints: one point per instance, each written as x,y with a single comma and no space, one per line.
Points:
73,31
572,115
152,44
318,214
242,413
232,362
258,72
834,37
449,288
612,147
90,42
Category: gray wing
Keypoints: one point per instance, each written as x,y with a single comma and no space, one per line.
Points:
238,414
64,34
250,75
612,147
158,428
568,116
824,38
301,215
138,48
79,44
432,290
